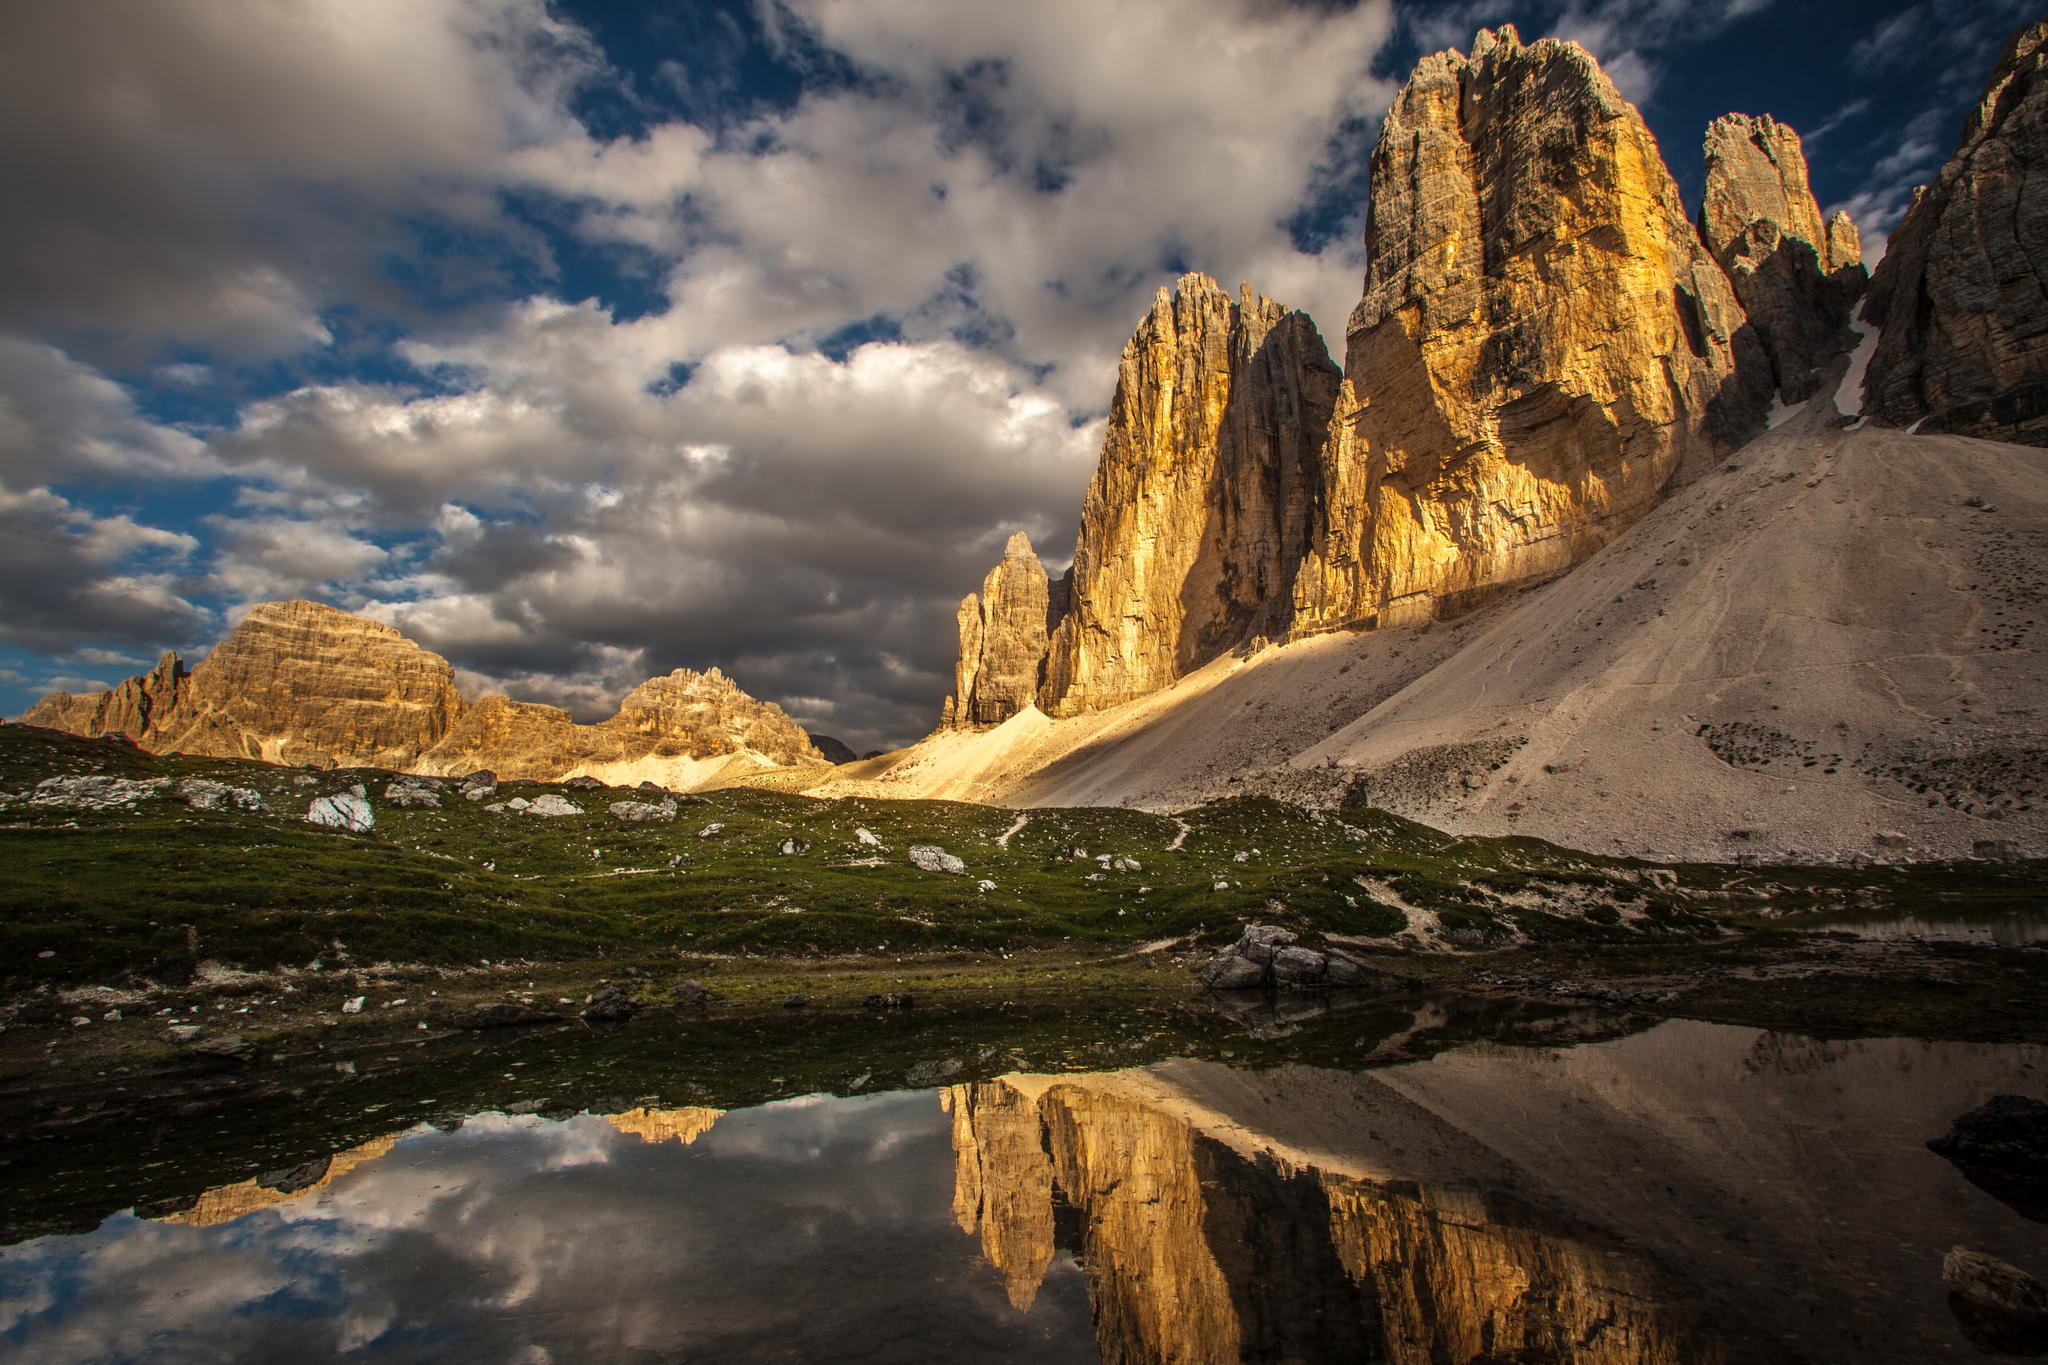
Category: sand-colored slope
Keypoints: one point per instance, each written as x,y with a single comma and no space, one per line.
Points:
1834,637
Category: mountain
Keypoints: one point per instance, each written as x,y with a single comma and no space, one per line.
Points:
1586,552
303,683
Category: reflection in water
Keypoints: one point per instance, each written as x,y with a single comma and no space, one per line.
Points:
1690,1194
2012,929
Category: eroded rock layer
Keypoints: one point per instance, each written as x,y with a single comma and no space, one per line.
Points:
1796,277
1543,340
1205,497
1962,292
303,683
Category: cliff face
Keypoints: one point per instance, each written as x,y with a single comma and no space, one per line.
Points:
1796,277
302,683
1204,499
1542,342
1960,292
1003,634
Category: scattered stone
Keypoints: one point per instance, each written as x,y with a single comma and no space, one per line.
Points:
203,794
793,847
1991,1283
891,1001
931,858
359,790
585,783
96,791
507,1015
301,780
643,812
410,792
1125,864
552,804
984,886
1267,955
866,838
347,812
479,794
610,1004
354,1006
227,1047
932,1073
690,995
1888,839
526,1107
711,831
795,1002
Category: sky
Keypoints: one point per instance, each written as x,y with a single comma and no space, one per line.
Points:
584,341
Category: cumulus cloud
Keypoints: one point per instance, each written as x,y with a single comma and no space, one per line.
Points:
61,420
68,575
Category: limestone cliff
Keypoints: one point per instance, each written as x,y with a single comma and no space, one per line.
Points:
1962,292
1542,342
1204,499
1003,633
302,683
1796,277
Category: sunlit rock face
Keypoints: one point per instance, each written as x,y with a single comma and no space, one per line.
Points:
1796,277
1960,292
1002,1184
1204,499
296,682
1003,634
302,683
1542,343
681,1126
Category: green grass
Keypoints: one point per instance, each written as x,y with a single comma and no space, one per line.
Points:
153,890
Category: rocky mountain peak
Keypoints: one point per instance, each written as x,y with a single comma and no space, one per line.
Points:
1959,293
1003,634
1796,277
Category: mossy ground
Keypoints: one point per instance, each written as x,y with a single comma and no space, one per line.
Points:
150,892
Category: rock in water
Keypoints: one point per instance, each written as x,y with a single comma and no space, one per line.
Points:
345,811
2001,1147
930,858
1542,342
1204,499
1796,278
1960,291
1003,634
610,1004
508,1015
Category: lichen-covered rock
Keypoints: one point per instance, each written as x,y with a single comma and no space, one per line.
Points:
1960,292
930,858
1260,941
1297,967
412,793
202,793
344,811
1003,633
1796,278
552,805
1542,342
643,812
96,791
1204,499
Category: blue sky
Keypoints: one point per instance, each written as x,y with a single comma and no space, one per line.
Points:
583,341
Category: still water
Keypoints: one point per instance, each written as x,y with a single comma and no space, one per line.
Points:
1687,1193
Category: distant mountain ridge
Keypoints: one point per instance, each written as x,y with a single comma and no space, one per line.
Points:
303,683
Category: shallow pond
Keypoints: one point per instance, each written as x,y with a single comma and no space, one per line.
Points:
1688,1192
2010,928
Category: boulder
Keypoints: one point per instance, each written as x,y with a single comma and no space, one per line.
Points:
1991,1283
609,1004
2001,1147
793,847
895,1000
96,791
507,1015
203,794
584,783
552,805
1228,971
930,858
643,812
410,793
226,1047
1297,967
1260,942
690,995
346,811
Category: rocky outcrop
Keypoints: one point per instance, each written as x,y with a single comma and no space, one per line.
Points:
1003,634
1962,292
302,683
1205,497
1796,278
1543,341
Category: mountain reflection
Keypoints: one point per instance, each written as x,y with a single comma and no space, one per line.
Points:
1693,1194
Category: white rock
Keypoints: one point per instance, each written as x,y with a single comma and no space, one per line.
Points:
641,812
478,793
409,793
1242,858
984,885
201,794
1222,886
866,838
930,858
96,791
347,811
359,790
551,804
354,1006
792,847
497,808
709,830
1125,864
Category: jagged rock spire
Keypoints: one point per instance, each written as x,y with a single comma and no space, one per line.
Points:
1797,279
1003,631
